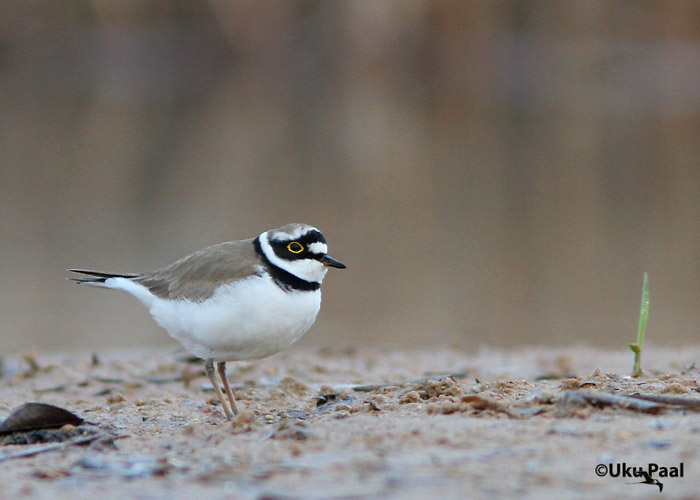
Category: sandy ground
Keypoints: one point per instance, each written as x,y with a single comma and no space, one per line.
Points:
435,423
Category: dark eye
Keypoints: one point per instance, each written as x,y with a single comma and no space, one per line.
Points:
295,247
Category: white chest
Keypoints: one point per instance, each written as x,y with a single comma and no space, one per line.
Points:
253,318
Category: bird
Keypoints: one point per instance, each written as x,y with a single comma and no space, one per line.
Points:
651,481
238,300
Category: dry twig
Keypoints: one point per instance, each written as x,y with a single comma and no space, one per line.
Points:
418,381
606,399
665,399
49,447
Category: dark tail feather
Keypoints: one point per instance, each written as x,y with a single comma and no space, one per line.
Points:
97,277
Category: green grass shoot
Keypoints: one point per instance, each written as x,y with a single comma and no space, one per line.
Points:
643,315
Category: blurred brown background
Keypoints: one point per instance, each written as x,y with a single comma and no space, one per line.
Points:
496,173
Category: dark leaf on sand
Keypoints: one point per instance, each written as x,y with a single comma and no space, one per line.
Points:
33,416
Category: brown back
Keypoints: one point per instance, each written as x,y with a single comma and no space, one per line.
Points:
196,276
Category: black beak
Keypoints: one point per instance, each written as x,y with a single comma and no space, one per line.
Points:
331,262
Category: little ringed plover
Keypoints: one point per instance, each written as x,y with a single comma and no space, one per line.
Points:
245,299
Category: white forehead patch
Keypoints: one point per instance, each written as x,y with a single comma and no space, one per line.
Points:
318,248
294,234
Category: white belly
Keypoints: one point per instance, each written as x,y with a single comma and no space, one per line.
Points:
253,318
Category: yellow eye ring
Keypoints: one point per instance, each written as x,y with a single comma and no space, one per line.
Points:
295,247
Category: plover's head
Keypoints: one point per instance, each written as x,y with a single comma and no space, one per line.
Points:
299,249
